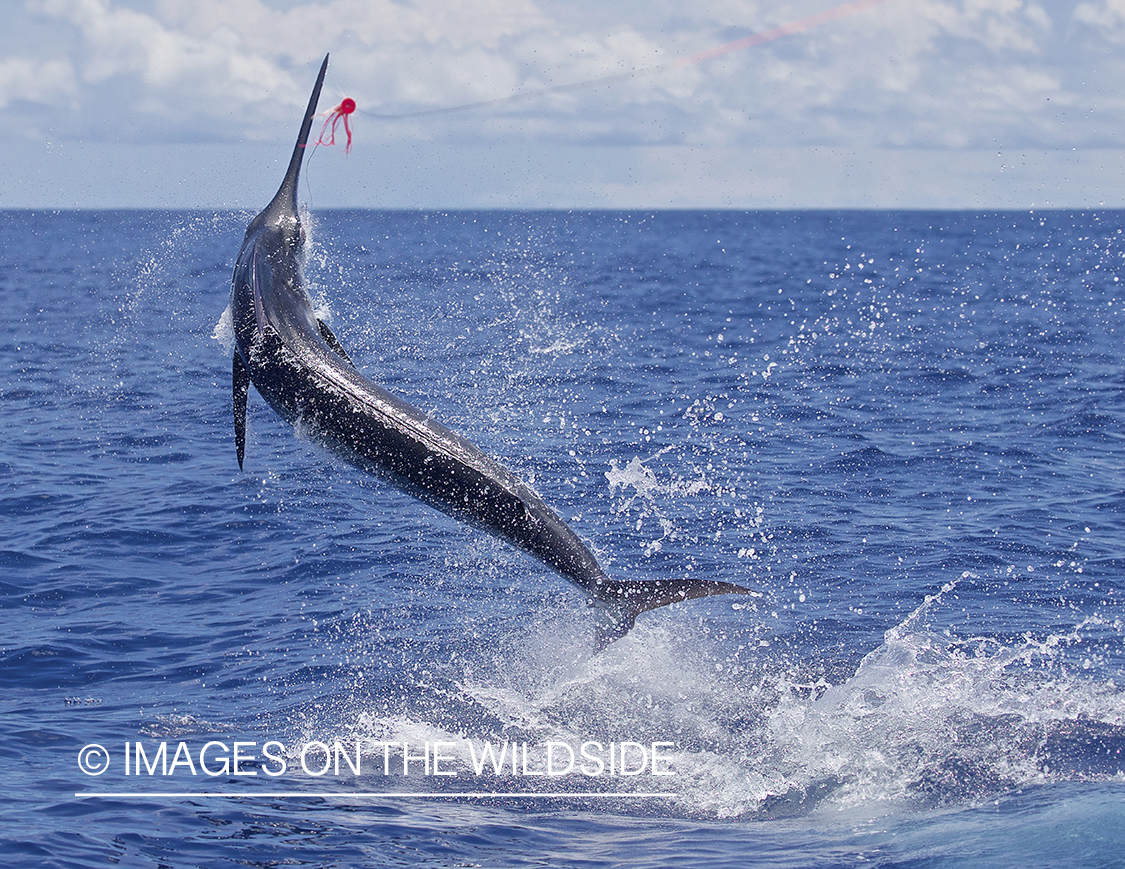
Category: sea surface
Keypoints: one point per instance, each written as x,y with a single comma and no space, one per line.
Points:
905,429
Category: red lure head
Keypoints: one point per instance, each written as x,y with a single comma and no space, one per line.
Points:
340,112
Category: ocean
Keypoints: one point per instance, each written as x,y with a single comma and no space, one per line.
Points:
905,429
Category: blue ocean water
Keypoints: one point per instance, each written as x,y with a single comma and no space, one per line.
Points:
905,429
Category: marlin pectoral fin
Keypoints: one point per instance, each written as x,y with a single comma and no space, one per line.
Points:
332,342
624,600
241,388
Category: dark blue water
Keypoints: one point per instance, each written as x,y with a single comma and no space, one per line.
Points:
906,429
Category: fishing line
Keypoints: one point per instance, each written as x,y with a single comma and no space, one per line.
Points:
711,53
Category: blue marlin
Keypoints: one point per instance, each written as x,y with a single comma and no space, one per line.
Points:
301,370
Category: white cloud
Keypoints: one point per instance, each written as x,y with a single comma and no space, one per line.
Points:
961,74
121,42
1106,17
208,61
49,81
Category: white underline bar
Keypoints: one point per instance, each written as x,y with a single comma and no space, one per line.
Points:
453,795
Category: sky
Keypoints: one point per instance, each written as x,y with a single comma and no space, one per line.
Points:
980,104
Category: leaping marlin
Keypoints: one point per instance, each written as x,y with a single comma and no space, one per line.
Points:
300,369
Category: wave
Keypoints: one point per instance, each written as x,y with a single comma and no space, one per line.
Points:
926,720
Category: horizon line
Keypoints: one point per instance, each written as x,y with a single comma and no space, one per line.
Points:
373,794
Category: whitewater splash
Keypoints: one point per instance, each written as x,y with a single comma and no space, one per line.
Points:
929,717
926,720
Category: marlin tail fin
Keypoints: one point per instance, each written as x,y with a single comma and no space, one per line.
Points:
624,600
